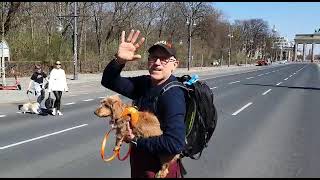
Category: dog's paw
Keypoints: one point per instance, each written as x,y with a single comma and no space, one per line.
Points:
162,174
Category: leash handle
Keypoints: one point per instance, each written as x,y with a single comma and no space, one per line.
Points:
28,97
103,145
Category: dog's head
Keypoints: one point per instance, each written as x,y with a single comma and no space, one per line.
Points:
110,106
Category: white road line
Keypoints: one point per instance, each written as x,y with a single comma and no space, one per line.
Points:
88,100
2,115
267,72
266,92
249,77
18,112
213,87
40,137
241,109
279,83
286,79
234,82
102,97
260,74
290,76
69,103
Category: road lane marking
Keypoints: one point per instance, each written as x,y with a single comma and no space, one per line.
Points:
2,115
260,74
213,87
290,76
40,137
102,97
286,79
69,103
266,92
279,83
88,100
268,73
249,77
18,112
234,82
241,109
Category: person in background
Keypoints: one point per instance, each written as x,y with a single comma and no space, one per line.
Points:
37,86
57,84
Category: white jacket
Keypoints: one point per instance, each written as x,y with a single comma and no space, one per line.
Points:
57,80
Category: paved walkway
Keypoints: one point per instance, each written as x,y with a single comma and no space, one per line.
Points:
14,96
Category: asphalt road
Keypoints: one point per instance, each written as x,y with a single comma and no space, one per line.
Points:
267,127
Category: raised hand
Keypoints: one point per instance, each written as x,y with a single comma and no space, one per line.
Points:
127,49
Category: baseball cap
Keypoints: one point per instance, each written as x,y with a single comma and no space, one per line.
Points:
165,45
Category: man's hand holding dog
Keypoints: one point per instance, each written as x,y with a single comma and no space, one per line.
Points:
130,136
127,49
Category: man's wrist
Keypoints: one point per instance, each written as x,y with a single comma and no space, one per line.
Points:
118,60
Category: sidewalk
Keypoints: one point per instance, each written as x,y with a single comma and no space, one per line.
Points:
16,96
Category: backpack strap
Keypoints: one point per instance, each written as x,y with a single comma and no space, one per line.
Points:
173,84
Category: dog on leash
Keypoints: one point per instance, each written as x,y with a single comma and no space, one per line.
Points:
32,107
147,126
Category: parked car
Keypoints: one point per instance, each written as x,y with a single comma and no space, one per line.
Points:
215,63
262,62
283,62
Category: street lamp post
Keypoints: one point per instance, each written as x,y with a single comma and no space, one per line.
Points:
75,41
230,36
190,23
2,58
75,45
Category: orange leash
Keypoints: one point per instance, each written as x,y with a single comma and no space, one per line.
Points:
133,112
116,151
126,156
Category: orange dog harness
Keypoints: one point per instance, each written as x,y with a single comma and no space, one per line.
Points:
133,112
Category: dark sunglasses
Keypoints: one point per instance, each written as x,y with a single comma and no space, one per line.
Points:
58,64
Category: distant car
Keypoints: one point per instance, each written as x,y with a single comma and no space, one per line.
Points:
283,62
262,62
215,63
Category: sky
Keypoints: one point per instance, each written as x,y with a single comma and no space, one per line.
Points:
289,18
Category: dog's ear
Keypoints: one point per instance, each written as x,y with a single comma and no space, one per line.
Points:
103,101
117,109
114,98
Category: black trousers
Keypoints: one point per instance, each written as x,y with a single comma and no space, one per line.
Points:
57,102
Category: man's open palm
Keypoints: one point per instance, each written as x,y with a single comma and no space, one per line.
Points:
127,49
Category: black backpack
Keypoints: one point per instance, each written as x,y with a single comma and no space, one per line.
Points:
201,114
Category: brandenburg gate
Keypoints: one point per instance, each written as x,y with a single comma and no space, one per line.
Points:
306,39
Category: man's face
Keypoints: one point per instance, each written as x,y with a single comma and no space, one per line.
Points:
161,65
